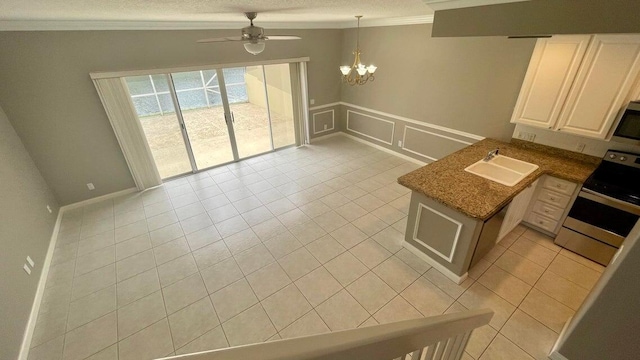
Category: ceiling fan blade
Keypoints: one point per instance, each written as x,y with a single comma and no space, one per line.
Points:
228,38
282,37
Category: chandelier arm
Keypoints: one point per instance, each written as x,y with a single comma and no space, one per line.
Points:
353,77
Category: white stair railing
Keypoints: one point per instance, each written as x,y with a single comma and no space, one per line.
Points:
438,337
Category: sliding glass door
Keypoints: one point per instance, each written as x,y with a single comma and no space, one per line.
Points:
224,115
152,101
249,109
280,99
200,102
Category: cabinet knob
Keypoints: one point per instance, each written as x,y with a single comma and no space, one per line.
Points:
552,199
546,211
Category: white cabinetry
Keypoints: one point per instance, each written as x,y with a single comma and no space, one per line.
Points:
517,210
551,203
578,84
603,85
552,70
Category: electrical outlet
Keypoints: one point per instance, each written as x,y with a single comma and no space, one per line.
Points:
27,269
326,127
90,186
526,136
49,209
580,147
30,261
399,143
312,101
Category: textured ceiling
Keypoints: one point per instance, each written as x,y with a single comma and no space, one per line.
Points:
209,10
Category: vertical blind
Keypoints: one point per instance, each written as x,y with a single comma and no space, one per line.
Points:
124,120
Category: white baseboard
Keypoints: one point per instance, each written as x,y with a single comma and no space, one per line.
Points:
46,265
42,282
98,199
324,137
382,148
446,272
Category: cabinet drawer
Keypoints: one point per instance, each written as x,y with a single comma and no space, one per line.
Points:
554,198
548,210
542,222
561,186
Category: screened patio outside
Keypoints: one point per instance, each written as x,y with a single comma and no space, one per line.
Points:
257,116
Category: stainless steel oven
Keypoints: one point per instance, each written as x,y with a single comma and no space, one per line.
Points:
606,209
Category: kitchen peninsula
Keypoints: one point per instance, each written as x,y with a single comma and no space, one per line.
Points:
455,217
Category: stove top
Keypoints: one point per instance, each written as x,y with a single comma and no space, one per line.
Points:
618,176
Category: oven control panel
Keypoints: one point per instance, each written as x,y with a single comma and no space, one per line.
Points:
624,158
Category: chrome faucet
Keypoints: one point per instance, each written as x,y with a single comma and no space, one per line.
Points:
491,154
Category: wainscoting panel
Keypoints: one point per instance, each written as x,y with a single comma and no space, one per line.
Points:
372,127
429,144
420,140
323,121
324,115
437,232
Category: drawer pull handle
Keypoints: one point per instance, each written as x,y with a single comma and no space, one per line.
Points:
558,186
552,198
541,222
546,211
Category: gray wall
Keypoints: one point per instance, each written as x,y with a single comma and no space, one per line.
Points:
606,326
54,107
467,84
25,230
540,17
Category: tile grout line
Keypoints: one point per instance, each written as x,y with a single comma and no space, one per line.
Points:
143,208
519,304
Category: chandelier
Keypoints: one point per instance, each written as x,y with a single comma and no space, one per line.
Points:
357,74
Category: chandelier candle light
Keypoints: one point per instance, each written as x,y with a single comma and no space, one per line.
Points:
362,73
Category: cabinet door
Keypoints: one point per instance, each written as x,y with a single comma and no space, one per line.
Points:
517,210
603,85
552,70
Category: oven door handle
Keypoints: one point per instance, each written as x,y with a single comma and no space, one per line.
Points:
609,201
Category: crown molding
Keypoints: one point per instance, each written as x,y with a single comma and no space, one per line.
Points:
457,4
398,21
71,25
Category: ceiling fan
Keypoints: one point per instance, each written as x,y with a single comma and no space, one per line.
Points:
252,36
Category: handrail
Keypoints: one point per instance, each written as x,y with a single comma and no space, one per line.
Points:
441,337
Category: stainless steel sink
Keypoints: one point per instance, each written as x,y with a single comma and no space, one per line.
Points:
502,169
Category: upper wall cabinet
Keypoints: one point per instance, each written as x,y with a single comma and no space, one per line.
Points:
552,70
578,84
602,86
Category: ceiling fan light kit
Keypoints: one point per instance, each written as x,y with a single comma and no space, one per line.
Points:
254,47
357,74
252,36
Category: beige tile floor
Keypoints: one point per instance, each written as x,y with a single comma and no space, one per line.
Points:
297,242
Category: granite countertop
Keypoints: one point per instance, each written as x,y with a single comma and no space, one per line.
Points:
446,181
